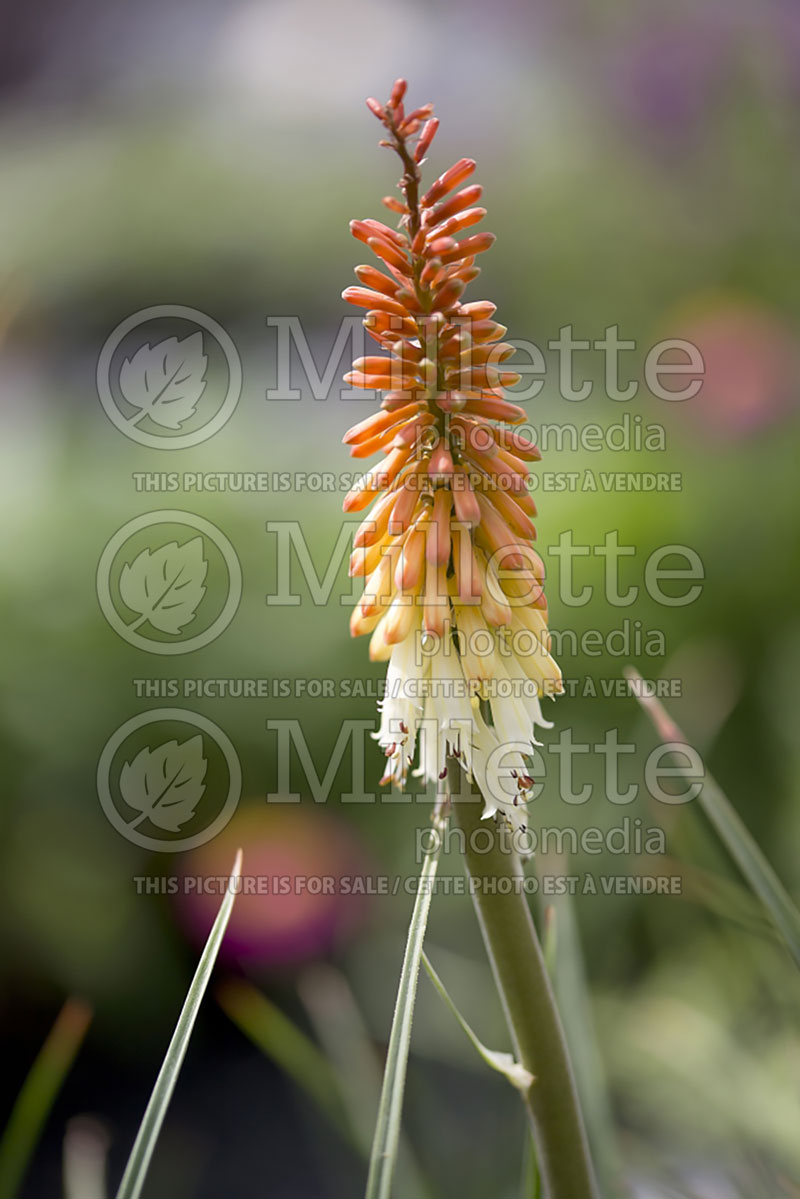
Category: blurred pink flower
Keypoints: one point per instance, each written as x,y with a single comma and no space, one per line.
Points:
304,896
752,363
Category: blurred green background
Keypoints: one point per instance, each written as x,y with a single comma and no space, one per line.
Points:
640,168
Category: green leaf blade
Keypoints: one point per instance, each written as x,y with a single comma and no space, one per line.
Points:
732,831
504,1063
38,1094
387,1129
283,1042
150,1127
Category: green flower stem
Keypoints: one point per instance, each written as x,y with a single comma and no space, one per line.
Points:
527,998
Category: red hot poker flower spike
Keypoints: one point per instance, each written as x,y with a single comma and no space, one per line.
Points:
453,588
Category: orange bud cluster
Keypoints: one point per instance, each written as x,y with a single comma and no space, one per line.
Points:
451,527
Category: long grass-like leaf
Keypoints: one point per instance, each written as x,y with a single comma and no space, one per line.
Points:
39,1092
150,1127
503,1063
531,1181
565,965
280,1039
347,1045
345,1039
733,833
387,1130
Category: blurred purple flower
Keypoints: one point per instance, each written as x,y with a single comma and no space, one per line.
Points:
666,78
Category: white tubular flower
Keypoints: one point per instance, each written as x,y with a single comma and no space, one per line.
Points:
488,728
447,726
401,709
501,773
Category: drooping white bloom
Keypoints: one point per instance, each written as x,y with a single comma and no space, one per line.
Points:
489,725
447,726
401,709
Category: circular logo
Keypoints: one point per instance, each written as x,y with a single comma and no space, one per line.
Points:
169,582
169,780
173,387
